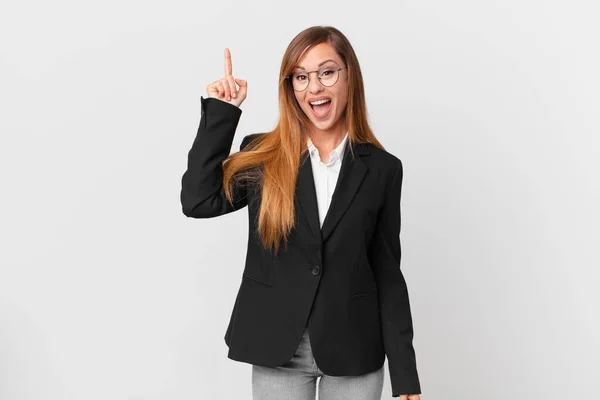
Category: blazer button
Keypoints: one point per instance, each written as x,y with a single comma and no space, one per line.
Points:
316,270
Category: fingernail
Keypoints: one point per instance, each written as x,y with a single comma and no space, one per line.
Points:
235,95
228,98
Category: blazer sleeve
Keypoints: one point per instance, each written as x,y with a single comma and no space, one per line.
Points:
396,319
202,191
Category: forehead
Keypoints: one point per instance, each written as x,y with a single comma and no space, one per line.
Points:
318,55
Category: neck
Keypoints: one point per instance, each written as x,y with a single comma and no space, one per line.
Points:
328,138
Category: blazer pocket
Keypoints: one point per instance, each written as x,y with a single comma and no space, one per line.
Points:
261,274
256,280
360,295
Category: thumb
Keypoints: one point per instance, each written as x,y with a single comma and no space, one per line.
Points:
241,82
243,87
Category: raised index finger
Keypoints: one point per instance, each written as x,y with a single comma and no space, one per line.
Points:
228,67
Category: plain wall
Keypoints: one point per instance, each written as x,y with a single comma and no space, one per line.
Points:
107,291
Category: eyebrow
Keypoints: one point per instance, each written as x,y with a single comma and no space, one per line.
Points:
301,67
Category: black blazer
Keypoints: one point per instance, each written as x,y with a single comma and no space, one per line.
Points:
343,279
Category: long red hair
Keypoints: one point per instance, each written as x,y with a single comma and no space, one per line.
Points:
279,152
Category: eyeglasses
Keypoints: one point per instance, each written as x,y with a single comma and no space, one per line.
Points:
327,76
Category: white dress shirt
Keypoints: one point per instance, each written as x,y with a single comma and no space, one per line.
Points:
325,175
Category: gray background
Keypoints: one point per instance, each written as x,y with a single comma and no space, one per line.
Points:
107,291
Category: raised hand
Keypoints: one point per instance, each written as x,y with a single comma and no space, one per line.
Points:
225,89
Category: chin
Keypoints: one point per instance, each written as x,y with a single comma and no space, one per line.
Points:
323,125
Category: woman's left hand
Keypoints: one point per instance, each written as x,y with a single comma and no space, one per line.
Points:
410,397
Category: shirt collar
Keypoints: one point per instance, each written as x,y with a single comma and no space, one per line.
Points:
335,153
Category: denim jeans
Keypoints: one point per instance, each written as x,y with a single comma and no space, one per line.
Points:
297,380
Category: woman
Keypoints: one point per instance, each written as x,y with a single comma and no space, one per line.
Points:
332,302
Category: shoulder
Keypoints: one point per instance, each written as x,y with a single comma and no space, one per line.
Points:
384,162
248,139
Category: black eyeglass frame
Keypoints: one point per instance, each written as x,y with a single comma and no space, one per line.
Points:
318,76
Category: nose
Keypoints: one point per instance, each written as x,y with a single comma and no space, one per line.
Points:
314,85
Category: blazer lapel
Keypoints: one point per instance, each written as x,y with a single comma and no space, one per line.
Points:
352,174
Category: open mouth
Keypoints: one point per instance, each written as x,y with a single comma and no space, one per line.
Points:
321,110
